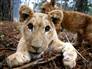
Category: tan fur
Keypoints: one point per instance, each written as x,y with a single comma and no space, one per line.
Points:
38,34
75,22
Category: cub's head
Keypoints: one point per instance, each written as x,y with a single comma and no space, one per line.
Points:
37,29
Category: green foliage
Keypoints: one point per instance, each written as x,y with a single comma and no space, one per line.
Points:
90,10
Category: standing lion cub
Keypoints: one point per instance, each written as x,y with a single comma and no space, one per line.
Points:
38,34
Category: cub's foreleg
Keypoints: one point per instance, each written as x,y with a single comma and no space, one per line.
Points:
69,52
20,57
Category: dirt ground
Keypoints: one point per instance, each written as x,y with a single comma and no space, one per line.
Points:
9,37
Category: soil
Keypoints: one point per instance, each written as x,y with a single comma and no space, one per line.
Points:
9,37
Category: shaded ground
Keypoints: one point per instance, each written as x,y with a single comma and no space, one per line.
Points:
9,36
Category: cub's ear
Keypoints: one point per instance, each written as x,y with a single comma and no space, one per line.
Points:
56,16
25,12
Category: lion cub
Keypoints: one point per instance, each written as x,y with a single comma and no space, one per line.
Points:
38,34
73,21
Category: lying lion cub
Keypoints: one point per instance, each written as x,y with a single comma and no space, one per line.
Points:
38,34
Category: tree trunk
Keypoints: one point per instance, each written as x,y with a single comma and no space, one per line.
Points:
6,10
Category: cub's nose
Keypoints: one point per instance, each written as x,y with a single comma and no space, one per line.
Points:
35,48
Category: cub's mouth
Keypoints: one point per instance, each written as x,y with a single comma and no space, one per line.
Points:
35,54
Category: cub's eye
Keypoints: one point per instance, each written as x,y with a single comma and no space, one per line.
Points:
47,28
30,26
43,9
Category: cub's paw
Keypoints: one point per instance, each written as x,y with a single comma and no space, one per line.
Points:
17,59
70,55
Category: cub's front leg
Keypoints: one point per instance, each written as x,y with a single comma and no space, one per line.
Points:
18,58
69,52
70,55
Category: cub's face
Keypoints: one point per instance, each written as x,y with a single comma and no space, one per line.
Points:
37,29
